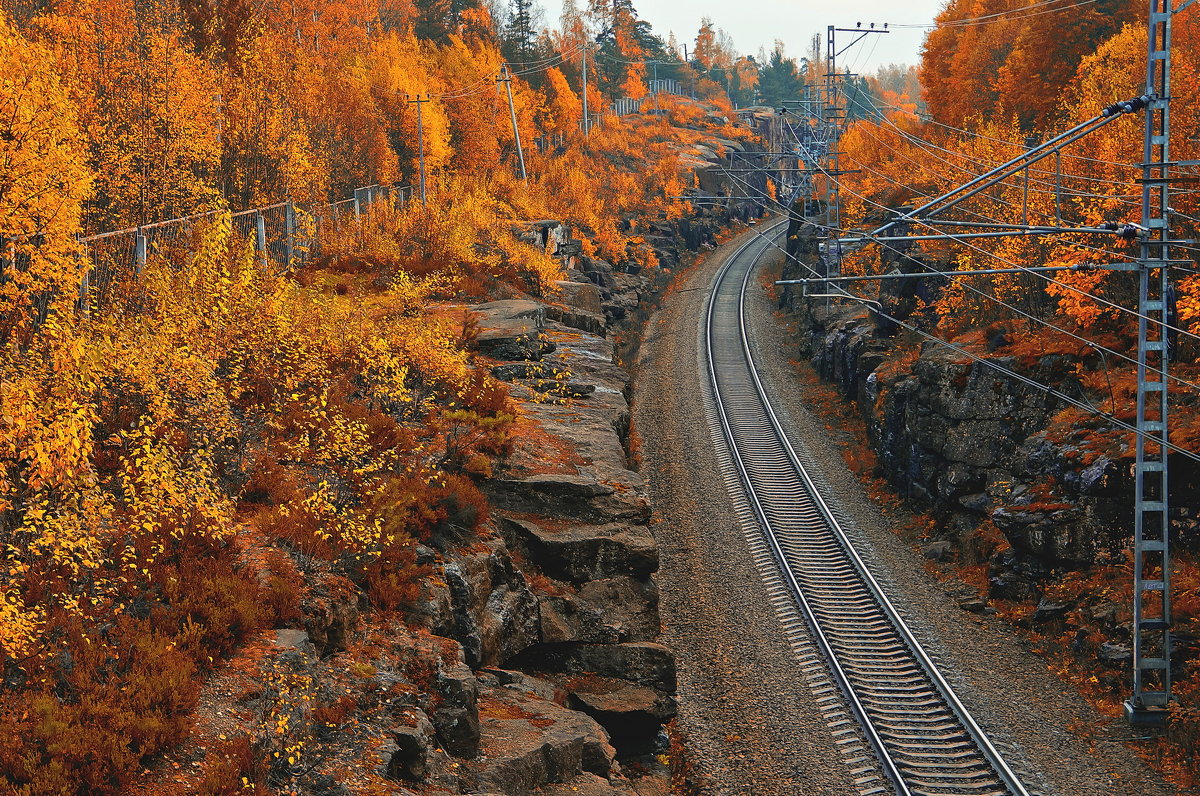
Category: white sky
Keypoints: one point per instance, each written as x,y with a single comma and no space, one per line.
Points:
758,23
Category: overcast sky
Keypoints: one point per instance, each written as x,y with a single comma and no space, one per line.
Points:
755,24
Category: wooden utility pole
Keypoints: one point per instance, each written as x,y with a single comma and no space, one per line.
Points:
421,141
506,79
586,121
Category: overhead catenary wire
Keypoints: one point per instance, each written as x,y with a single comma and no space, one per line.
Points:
924,142
916,193
1018,266
989,362
951,275
1015,15
486,85
988,253
930,120
921,142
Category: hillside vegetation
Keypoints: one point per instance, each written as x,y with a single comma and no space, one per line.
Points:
180,465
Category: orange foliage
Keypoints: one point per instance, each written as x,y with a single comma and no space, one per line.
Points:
176,463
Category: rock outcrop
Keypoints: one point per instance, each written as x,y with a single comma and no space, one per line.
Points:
540,669
980,448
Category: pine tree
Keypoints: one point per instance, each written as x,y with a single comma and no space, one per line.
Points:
779,79
434,20
519,41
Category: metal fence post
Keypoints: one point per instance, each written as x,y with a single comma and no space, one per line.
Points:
139,251
361,202
260,236
289,223
85,279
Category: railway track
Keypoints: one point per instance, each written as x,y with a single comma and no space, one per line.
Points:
893,699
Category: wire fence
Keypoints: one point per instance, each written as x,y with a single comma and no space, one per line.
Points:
625,106
285,237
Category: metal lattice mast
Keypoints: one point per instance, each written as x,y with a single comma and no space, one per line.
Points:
835,120
1152,561
834,209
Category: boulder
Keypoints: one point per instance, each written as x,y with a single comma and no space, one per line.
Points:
640,662
603,611
580,307
628,605
588,785
1115,654
456,717
975,605
414,747
599,272
594,322
529,742
296,642
495,613
581,497
1050,610
511,329
633,715
938,551
527,683
329,623
578,552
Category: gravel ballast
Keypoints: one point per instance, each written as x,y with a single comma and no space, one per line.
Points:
750,720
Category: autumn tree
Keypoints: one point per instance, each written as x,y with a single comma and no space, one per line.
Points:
562,108
43,160
705,53
222,29
987,56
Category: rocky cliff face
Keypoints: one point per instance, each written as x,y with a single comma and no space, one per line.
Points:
979,448
530,661
557,679
518,652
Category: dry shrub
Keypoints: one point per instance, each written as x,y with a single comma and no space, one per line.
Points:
113,694
238,768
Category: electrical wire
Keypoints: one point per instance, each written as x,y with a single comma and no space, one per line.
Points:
985,252
921,143
486,84
1085,405
917,193
950,275
930,120
1005,16
1025,313
1056,190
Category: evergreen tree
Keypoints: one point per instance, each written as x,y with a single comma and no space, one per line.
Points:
433,21
436,20
779,79
862,101
519,40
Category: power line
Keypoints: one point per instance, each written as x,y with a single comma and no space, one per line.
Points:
990,362
1004,16
951,275
1040,275
988,253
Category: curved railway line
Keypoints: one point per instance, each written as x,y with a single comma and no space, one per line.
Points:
893,698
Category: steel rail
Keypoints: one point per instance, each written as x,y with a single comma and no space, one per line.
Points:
967,763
